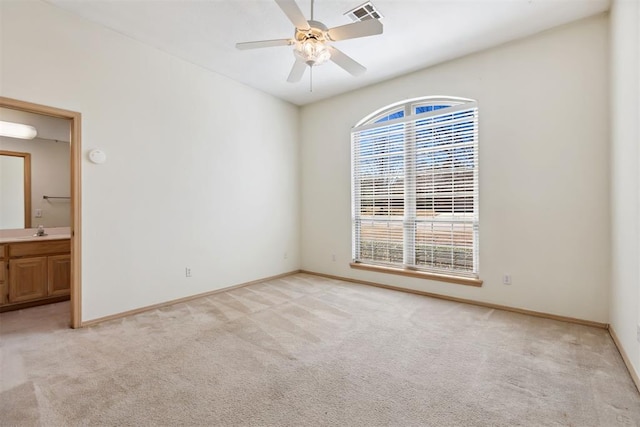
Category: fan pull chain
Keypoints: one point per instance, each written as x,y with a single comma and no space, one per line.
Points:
311,78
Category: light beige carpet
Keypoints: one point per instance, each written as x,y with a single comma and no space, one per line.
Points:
305,350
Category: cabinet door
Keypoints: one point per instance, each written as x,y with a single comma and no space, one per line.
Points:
4,286
59,276
27,279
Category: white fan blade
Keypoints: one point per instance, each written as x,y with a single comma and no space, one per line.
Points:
293,12
346,62
297,71
370,27
264,43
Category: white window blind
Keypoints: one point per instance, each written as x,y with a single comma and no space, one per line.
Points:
415,188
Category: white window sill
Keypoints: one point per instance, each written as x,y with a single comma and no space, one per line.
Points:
419,274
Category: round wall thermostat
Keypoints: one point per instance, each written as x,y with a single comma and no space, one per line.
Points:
97,156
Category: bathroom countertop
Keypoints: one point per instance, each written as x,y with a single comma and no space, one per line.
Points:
18,235
20,239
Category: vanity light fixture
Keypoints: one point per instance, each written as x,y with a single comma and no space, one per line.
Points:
17,130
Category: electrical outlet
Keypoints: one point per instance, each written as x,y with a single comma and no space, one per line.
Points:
286,255
506,279
333,257
638,332
38,213
187,272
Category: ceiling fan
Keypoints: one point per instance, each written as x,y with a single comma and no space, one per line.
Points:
311,41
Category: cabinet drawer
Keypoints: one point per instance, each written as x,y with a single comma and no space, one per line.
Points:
1,251
3,271
39,248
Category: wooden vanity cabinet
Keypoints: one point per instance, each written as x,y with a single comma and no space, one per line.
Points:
38,273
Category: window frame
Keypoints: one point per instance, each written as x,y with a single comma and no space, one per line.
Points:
408,267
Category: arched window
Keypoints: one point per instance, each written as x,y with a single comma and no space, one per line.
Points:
415,187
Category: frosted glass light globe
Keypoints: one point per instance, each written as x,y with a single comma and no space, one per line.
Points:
312,51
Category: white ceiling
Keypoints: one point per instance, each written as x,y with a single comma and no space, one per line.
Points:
417,34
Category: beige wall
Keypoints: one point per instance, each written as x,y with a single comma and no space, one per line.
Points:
201,171
625,175
50,175
544,170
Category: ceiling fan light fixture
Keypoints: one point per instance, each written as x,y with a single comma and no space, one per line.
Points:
312,40
312,51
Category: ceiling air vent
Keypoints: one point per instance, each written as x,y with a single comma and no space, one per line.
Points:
364,12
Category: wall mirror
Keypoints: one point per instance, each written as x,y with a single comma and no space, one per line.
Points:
35,172
15,190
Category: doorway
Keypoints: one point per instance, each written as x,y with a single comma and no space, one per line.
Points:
75,196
